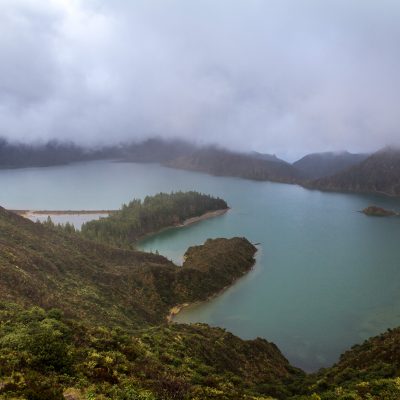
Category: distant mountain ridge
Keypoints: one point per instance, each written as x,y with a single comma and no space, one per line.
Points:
20,155
344,171
265,156
220,162
172,153
379,173
154,150
319,165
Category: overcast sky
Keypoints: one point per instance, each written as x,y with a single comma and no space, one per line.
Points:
279,76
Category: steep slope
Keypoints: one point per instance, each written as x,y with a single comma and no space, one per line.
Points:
50,268
369,371
221,162
378,357
103,333
379,173
44,356
319,165
108,338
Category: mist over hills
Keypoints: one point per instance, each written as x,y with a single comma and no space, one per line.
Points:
379,173
336,171
18,155
211,87
222,162
318,165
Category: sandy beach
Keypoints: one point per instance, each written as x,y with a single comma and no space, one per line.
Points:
174,311
207,215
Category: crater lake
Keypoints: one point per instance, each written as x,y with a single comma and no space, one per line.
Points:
326,276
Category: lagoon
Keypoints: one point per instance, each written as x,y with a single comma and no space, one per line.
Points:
326,276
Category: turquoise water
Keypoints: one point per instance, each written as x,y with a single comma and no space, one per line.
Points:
326,276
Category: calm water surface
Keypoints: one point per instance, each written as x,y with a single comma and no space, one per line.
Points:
326,276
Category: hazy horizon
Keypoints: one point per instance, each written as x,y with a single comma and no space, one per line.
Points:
182,141
280,77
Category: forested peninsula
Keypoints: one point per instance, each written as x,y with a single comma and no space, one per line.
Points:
83,320
139,218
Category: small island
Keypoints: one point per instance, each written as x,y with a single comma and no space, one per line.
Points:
375,211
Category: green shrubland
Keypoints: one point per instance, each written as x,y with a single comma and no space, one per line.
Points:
80,319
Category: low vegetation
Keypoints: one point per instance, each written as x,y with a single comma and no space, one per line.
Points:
46,356
81,320
49,267
370,371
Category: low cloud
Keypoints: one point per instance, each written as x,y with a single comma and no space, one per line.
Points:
278,76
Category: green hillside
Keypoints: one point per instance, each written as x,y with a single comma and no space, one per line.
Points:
45,266
379,173
81,320
221,162
369,371
47,356
104,330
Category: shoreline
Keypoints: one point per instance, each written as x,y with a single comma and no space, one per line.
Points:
32,213
186,222
175,310
189,221
207,215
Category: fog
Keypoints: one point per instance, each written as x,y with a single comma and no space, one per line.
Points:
277,76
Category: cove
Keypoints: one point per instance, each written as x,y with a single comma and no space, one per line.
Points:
326,276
